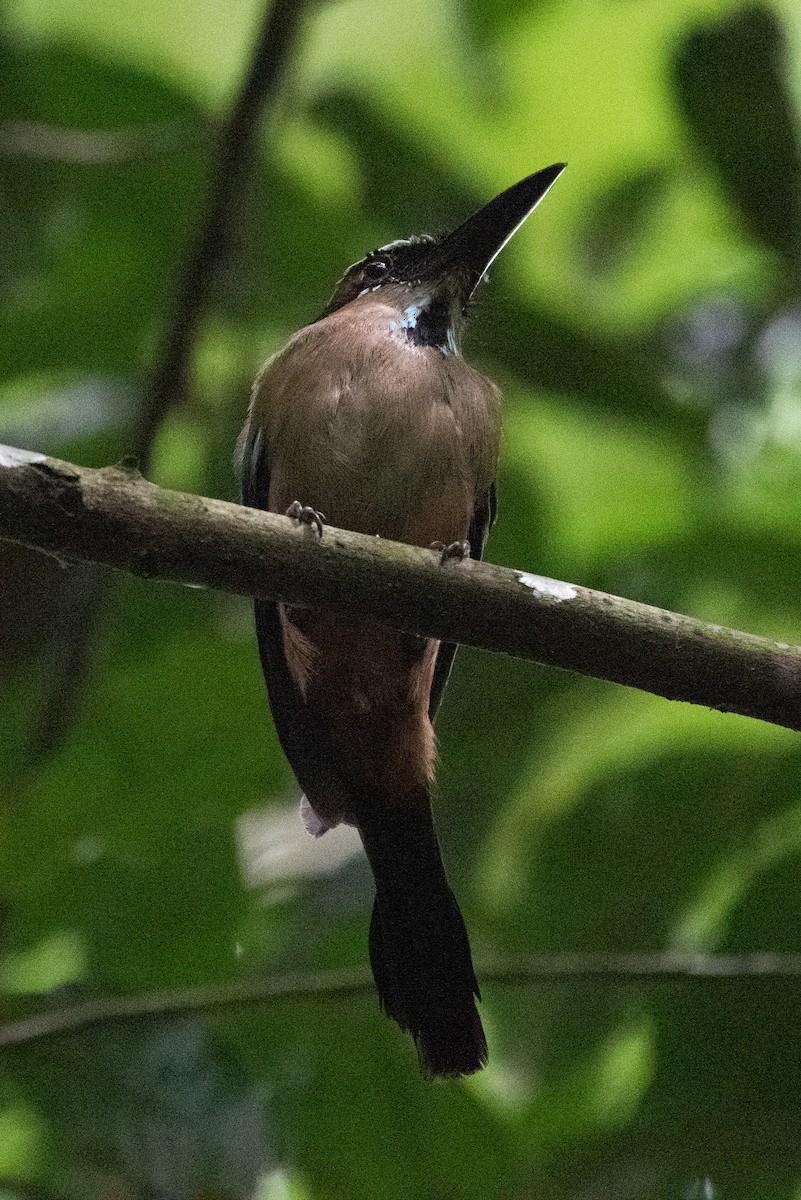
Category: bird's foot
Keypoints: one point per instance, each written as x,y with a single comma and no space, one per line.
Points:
459,550
306,515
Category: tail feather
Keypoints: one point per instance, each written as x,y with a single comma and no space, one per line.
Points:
419,950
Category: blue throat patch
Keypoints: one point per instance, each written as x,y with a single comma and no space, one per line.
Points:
428,325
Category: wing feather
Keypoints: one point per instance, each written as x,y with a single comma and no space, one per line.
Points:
483,520
286,702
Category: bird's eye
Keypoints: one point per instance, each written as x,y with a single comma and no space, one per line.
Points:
374,270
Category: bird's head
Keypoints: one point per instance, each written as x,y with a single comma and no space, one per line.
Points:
430,280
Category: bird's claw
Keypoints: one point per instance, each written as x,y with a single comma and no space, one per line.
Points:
306,515
458,550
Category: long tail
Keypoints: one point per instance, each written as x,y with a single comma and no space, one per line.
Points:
419,950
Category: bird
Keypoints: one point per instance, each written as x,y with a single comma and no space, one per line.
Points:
370,419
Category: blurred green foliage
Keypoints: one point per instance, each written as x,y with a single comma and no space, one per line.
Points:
646,328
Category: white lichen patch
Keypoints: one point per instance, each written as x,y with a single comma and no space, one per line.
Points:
10,456
547,587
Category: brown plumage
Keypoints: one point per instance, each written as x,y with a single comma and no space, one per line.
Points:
387,438
371,416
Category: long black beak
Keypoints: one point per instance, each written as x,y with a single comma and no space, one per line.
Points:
476,243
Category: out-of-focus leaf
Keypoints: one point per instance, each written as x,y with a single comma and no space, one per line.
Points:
620,218
609,489
387,1133
102,237
23,1141
486,20
614,745
194,51
143,865
732,84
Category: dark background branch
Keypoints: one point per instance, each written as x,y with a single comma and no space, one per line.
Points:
235,155
84,592
630,969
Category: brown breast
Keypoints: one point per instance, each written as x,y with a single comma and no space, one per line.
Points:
379,434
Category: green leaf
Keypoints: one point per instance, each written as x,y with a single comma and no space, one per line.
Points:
732,83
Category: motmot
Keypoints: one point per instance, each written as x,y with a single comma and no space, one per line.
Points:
370,419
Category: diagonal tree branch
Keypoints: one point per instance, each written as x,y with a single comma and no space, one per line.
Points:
114,516
232,169
631,968
84,592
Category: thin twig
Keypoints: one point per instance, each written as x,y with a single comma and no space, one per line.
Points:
628,969
114,516
91,1013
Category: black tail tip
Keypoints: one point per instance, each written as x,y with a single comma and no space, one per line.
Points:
452,1054
428,986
